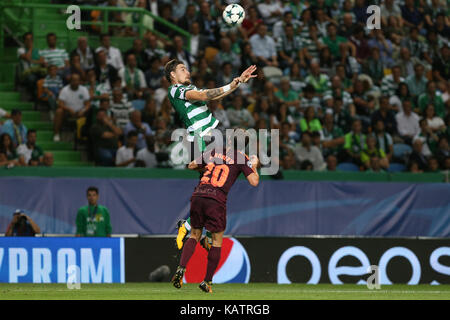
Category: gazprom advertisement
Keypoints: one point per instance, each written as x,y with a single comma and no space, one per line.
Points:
62,260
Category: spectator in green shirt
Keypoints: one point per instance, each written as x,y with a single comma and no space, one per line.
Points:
93,220
355,142
370,151
310,123
430,97
337,44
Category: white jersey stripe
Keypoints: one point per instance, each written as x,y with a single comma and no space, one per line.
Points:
197,111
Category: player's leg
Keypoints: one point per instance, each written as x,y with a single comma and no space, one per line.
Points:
184,227
188,251
213,260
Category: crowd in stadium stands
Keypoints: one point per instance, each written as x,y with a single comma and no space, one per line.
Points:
338,91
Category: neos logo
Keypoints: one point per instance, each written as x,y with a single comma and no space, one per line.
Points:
334,271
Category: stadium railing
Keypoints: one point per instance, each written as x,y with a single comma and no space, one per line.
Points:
20,16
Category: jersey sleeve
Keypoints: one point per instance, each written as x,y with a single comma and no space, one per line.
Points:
179,92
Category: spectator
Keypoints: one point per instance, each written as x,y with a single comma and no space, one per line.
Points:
93,220
133,80
73,101
74,67
407,123
53,84
141,128
29,150
358,39
332,163
126,155
48,159
406,62
165,13
53,55
385,115
189,17
104,72
443,152
31,63
416,47
198,41
86,54
113,55
429,139
263,46
8,154
153,50
337,91
320,81
431,97
311,42
289,97
14,127
412,17
289,47
390,83
208,25
374,66
433,165
310,122
154,74
402,94
417,156
22,226
226,55
338,45
441,65
384,46
435,123
364,101
181,54
307,152
120,109
417,82
147,155
333,136
384,139
355,142
239,116
280,26
390,9
138,51
371,150
341,117
271,11
104,135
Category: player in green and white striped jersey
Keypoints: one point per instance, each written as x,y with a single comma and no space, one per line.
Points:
191,102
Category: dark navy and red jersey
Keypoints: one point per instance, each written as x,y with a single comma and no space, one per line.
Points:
219,177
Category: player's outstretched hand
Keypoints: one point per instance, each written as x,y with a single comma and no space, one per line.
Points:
248,74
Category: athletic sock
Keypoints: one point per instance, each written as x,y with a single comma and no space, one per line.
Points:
188,251
213,261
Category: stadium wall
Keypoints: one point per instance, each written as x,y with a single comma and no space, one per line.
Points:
152,206
309,260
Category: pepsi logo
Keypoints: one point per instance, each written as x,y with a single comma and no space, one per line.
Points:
234,264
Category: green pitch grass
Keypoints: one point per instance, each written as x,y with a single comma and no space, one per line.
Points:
254,291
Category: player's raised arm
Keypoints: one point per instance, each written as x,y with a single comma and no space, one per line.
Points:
219,93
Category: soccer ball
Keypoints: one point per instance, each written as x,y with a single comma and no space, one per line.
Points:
233,15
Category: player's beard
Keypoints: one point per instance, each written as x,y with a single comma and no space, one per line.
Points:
187,82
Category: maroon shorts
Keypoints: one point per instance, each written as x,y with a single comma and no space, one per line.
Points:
208,213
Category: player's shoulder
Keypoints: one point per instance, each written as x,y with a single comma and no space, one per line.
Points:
177,90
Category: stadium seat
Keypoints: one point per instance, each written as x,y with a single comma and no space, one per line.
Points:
401,150
347,166
396,167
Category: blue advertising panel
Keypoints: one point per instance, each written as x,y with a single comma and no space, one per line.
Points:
62,260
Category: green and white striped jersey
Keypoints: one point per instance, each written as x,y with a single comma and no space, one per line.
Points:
195,114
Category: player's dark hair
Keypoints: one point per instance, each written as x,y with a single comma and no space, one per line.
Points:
92,188
169,67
